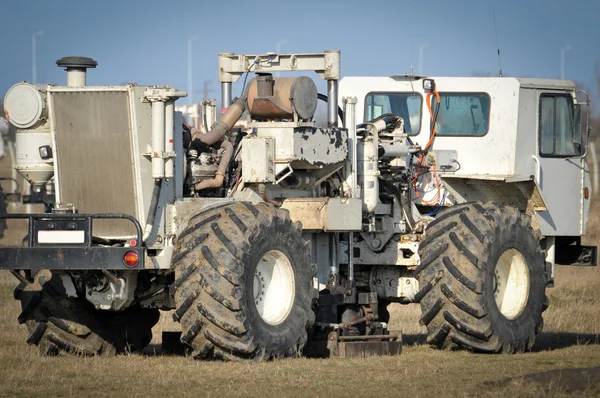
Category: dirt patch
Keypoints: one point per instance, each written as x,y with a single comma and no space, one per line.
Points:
562,381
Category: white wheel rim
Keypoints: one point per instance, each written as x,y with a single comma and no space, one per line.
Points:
511,283
274,287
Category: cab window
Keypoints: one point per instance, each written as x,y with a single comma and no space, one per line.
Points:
462,114
406,105
558,137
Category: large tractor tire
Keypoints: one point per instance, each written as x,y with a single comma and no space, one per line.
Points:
243,283
482,281
60,324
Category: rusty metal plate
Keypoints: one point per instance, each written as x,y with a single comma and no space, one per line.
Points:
363,349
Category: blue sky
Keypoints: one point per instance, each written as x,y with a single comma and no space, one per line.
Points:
146,41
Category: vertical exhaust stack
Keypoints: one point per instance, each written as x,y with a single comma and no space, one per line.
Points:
76,69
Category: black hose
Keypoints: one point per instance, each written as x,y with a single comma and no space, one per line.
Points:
404,205
324,98
153,206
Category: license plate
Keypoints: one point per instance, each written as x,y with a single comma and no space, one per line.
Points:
60,237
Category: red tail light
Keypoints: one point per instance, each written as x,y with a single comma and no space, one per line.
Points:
131,258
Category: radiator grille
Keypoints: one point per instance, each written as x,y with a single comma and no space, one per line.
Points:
94,156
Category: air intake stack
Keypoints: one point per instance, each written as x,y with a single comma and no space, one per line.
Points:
76,69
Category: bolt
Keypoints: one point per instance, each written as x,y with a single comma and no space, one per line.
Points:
256,302
263,286
408,281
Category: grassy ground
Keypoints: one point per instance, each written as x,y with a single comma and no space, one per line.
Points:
570,340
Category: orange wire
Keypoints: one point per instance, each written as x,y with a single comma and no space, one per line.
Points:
421,159
431,115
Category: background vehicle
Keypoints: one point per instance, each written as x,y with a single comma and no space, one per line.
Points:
435,190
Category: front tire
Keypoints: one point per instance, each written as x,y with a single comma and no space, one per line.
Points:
60,324
482,281
243,283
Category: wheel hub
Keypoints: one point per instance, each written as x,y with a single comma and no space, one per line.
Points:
274,287
511,283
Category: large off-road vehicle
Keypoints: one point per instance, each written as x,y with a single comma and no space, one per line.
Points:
456,193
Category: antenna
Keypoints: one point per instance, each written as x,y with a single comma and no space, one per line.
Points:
497,45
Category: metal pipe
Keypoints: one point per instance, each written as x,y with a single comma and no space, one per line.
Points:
225,96
394,151
158,139
169,139
368,172
152,209
76,77
332,103
226,122
334,270
351,256
221,169
350,125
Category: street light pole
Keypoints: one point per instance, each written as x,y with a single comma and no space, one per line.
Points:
422,47
190,89
278,50
33,56
562,61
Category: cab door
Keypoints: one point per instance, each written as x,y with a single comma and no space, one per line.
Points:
560,174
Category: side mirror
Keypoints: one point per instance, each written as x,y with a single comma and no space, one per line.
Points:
581,127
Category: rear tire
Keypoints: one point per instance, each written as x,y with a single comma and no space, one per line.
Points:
60,324
482,281
243,283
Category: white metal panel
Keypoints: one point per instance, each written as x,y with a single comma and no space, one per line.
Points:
493,153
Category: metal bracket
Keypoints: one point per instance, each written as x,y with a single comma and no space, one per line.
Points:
233,66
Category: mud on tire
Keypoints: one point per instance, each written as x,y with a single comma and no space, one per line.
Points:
216,281
460,280
60,324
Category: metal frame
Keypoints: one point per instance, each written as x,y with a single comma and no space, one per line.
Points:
413,133
555,95
465,93
326,65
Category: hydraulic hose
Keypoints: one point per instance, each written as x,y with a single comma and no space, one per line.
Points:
405,205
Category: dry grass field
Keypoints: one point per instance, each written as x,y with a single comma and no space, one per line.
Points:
570,340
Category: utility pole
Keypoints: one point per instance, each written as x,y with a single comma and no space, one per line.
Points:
34,55
278,50
562,60
205,89
422,48
190,89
